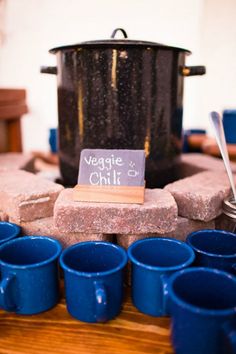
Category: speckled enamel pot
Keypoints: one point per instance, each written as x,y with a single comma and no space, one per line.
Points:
121,94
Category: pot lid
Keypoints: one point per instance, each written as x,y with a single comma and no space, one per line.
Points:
117,43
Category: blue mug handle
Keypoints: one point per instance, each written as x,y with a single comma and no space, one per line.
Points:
165,294
101,301
5,293
234,268
229,334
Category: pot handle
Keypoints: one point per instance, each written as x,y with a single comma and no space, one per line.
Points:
193,70
48,70
121,30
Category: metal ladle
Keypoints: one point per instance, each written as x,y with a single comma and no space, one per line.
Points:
217,124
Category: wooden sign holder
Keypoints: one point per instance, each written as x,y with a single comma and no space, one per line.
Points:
111,176
109,194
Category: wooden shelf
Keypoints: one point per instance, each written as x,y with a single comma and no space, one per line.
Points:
12,95
12,107
210,147
56,332
14,111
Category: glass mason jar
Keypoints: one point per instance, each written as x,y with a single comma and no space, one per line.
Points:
227,220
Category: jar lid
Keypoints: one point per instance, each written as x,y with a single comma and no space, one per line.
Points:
114,43
229,207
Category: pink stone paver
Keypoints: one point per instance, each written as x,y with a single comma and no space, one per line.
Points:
3,216
186,226
26,197
45,227
183,228
157,214
200,197
17,161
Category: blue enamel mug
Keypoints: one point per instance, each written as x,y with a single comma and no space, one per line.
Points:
8,231
214,249
93,274
203,311
229,124
153,260
29,274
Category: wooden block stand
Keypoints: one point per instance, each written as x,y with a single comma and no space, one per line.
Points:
109,194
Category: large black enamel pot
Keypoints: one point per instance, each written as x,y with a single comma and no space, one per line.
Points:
121,94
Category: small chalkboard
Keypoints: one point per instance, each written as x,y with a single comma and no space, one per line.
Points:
111,172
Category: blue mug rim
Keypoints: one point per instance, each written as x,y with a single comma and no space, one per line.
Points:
193,308
93,274
37,264
159,268
210,231
15,229
229,111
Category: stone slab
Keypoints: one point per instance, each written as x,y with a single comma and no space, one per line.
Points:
3,216
26,197
186,226
200,197
183,229
45,227
17,161
126,240
157,214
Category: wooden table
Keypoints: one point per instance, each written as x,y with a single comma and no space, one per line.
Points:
56,332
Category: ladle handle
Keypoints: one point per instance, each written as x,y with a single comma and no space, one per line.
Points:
217,124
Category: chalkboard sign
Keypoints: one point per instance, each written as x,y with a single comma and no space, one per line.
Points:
111,175
112,167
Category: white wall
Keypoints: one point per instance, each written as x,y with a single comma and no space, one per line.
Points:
34,26
218,45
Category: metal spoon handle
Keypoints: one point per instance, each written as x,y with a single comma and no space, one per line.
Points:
216,121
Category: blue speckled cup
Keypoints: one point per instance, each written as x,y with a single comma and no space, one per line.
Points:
229,124
94,280
203,311
8,231
214,249
29,274
153,260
